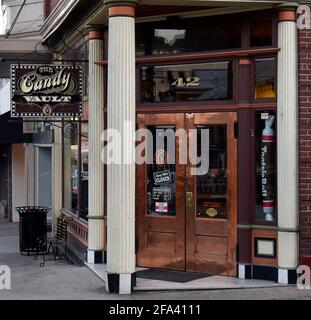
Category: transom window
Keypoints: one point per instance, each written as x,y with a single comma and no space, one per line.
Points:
176,35
186,82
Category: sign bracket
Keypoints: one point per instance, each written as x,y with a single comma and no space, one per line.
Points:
50,122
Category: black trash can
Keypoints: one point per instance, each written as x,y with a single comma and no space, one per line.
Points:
32,226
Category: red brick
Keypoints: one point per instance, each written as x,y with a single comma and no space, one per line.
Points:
304,98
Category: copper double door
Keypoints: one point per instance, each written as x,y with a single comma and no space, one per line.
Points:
186,208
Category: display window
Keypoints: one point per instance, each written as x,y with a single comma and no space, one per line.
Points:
266,162
211,187
75,168
187,82
265,78
187,35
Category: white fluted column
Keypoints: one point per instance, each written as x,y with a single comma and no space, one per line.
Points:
96,232
121,177
57,164
287,145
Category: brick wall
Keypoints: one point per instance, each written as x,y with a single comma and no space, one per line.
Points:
48,7
305,145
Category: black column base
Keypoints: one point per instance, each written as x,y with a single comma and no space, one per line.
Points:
244,271
273,273
96,257
287,276
115,284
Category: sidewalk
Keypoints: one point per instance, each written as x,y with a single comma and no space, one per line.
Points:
63,281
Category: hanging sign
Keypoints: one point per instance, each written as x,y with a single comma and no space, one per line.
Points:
46,91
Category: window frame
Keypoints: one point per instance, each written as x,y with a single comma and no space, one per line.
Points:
253,83
245,37
255,220
234,75
78,211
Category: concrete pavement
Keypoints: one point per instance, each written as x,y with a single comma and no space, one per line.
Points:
63,281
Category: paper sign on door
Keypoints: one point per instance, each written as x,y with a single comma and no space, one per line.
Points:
161,207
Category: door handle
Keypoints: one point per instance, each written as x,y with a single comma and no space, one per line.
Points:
189,202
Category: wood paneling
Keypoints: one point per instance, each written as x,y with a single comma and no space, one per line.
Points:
212,245
219,255
161,240
269,234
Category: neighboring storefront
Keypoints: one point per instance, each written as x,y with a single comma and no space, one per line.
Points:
11,143
224,69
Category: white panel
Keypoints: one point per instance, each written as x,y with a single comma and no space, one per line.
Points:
125,284
241,271
30,18
265,247
288,250
5,100
283,276
90,256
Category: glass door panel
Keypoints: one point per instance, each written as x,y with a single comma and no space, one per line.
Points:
160,199
161,174
211,219
211,186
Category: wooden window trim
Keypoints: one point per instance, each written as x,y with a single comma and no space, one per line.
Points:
253,81
78,213
169,108
192,104
201,58
195,57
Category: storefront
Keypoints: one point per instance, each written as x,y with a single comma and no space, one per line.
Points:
11,144
218,80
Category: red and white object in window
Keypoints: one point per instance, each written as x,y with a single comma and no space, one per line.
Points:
161,207
267,168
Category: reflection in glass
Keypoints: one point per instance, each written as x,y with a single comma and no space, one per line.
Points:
71,150
188,35
187,82
265,166
84,170
265,78
261,30
211,188
171,39
161,189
